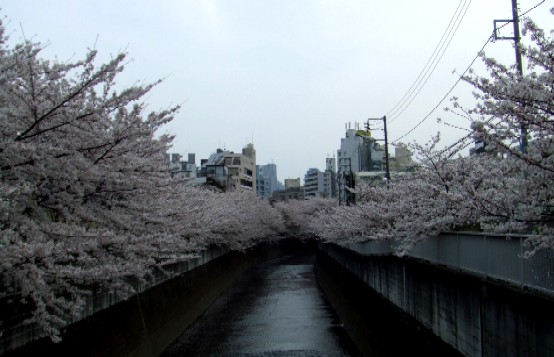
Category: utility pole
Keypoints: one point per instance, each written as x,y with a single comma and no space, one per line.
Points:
384,119
386,149
519,62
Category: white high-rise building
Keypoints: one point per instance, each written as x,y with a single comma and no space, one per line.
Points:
359,152
318,184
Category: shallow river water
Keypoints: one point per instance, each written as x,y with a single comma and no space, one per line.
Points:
274,309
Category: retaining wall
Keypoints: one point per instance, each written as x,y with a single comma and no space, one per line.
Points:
476,316
145,324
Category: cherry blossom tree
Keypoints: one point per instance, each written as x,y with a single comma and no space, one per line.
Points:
82,176
504,190
515,118
87,200
239,219
487,192
300,216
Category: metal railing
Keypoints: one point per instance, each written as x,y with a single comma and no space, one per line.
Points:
487,255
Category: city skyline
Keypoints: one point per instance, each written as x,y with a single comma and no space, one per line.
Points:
285,76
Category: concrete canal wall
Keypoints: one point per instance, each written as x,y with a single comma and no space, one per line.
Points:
147,323
474,315
388,305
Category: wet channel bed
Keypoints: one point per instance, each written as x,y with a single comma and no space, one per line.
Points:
274,309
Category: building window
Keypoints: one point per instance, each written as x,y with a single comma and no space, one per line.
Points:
246,183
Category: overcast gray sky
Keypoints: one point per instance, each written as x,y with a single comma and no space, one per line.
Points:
286,74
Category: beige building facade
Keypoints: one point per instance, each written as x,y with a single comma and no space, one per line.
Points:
233,171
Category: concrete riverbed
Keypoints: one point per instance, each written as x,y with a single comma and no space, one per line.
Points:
274,309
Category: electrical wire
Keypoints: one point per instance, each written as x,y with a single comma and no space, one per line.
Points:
431,59
533,8
449,91
434,59
490,39
459,142
429,76
428,61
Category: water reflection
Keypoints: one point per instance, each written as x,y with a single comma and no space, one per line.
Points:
275,309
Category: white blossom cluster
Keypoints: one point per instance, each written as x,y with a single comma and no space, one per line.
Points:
86,198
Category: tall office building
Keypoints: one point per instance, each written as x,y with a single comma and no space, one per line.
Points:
318,184
331,168
266,180
359,152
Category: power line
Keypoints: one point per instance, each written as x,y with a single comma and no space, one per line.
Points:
533,8
460,142
449,91
467,136
428,61
432,62
435,66
461,76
